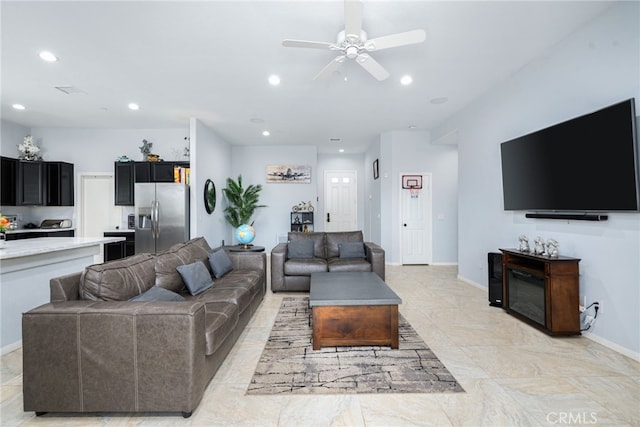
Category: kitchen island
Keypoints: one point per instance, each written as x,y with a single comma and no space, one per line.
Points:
26,266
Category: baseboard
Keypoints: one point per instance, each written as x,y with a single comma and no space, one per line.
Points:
589,335
613,346
444,264
11,347
471,282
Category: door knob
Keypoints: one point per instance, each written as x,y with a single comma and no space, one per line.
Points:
404,225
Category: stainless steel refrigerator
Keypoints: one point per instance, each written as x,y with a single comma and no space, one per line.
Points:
162,216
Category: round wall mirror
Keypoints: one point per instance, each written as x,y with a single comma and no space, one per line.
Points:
209,196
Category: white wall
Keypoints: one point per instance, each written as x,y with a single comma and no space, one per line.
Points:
595,67
412,151
251,163
11,134
373,216
210,159
91,151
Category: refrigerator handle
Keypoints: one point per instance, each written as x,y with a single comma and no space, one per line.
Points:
155,212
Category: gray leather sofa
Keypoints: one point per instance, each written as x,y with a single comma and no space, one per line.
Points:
292,264
92,350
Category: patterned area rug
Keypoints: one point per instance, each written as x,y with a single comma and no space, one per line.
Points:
289,365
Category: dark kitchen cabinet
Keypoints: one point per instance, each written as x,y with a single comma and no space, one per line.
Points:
20,235
31,183
124,175
117,250
129,173
9,184
142,171
59,184
36,183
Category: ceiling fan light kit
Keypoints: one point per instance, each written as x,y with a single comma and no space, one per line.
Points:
352,43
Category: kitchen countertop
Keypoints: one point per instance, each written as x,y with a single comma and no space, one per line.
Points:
45,245
119,230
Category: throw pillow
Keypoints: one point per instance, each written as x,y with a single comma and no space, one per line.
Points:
351,250
196,277
300,249
156,293
220,263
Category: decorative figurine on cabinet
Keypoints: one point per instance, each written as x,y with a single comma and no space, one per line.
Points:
538,248
552,248
524,243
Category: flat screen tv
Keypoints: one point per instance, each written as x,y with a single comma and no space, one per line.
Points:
589,163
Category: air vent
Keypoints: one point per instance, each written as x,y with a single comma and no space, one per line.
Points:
70,90
335,139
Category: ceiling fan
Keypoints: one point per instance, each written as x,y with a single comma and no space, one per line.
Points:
352,43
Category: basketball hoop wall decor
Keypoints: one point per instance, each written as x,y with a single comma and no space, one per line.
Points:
413,183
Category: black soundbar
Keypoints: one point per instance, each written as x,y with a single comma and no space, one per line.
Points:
576,216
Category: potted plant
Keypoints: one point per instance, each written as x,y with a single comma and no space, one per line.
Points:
241,205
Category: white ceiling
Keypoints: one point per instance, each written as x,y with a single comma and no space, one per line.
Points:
211,60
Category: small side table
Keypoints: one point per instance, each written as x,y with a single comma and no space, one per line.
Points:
240,248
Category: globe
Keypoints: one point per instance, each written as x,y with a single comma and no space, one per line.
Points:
245,234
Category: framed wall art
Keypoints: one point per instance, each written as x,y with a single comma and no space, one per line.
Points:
288,174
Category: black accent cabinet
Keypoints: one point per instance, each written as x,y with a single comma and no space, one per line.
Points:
129,173
59,184
117,250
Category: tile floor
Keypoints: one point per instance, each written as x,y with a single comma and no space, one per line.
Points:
513,374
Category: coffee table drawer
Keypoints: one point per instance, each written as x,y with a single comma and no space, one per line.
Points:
347,325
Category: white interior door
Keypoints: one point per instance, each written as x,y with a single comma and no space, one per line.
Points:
340,201
97,209
416,224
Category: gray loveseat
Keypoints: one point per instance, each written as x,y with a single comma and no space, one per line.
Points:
304,253
93,349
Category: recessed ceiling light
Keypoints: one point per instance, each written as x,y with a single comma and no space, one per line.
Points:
440,100
341,150
274,80
47,56
413,127
133,106
406,80
18,107
266,133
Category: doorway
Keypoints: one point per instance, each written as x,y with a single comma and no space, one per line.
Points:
97,209
340,200
415,216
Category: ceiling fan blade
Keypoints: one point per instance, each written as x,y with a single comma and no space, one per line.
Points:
307,44
330,68
352,17
372,66
394,40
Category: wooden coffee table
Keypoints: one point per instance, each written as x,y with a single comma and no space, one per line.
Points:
353,308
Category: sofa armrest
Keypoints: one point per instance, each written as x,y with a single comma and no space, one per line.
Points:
87,356
65,288
248,260
278,257
375,255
